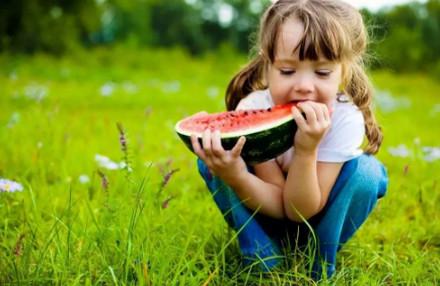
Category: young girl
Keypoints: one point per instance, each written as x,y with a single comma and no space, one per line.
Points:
310,52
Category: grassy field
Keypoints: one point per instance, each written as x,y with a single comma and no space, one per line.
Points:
94,212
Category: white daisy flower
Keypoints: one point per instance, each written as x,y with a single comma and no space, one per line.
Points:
9,186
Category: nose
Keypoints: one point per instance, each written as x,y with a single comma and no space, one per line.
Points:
303,84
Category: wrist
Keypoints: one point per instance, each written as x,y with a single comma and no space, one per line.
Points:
236,179
232,177
298,152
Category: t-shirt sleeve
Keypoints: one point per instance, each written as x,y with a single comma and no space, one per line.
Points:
259,99
344,139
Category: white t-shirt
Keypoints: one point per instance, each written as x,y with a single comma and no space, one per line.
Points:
341,143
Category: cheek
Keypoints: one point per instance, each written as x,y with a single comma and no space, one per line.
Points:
278,90
275,93
276,87
328,93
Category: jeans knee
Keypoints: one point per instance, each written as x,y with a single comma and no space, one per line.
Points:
365,194
370,179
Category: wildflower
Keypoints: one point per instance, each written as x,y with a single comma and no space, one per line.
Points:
405,170
107,89
167,177
13,120
399,151
18,249
166,202
9,186
389,103
125,164
130,87
36,92
431,153
171,87
104,180
105,162
166,173
84,179
122,137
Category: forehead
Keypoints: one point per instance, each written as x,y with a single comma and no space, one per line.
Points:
289,37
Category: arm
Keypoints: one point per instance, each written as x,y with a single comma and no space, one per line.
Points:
307,194
229,166
309,182
263,191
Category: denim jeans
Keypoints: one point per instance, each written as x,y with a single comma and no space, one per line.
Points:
361,182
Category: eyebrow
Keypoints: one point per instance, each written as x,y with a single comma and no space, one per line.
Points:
281,60
291,61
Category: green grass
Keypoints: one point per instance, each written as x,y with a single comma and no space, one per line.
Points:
61,231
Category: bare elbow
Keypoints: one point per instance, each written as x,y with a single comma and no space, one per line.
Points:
297,217
301,216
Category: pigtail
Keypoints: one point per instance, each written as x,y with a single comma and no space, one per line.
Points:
361,90
250,78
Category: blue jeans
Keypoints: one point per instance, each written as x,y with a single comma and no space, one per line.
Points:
361,182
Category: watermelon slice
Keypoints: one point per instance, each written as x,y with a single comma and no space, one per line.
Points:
268,132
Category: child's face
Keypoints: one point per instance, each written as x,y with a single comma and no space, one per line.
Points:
290,79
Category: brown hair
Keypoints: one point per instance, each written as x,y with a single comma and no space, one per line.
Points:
334,30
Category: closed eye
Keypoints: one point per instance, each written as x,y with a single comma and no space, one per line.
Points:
323,73
287,71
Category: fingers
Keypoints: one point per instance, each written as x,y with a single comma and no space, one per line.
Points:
197,148
308,109
236,151
327,113
299,119
211,147
206,141
319,111
317,117
216,144
211,144
315,112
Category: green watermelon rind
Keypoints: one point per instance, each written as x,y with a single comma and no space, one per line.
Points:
261,145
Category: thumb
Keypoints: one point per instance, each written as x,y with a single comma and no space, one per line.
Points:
236,151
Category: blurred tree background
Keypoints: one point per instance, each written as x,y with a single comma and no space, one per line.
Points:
406,38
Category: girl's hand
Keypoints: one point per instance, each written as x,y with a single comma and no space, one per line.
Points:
228,165
312,128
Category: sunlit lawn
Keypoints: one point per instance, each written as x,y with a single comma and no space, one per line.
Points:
152,222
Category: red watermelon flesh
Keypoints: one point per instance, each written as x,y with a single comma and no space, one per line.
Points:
234,123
